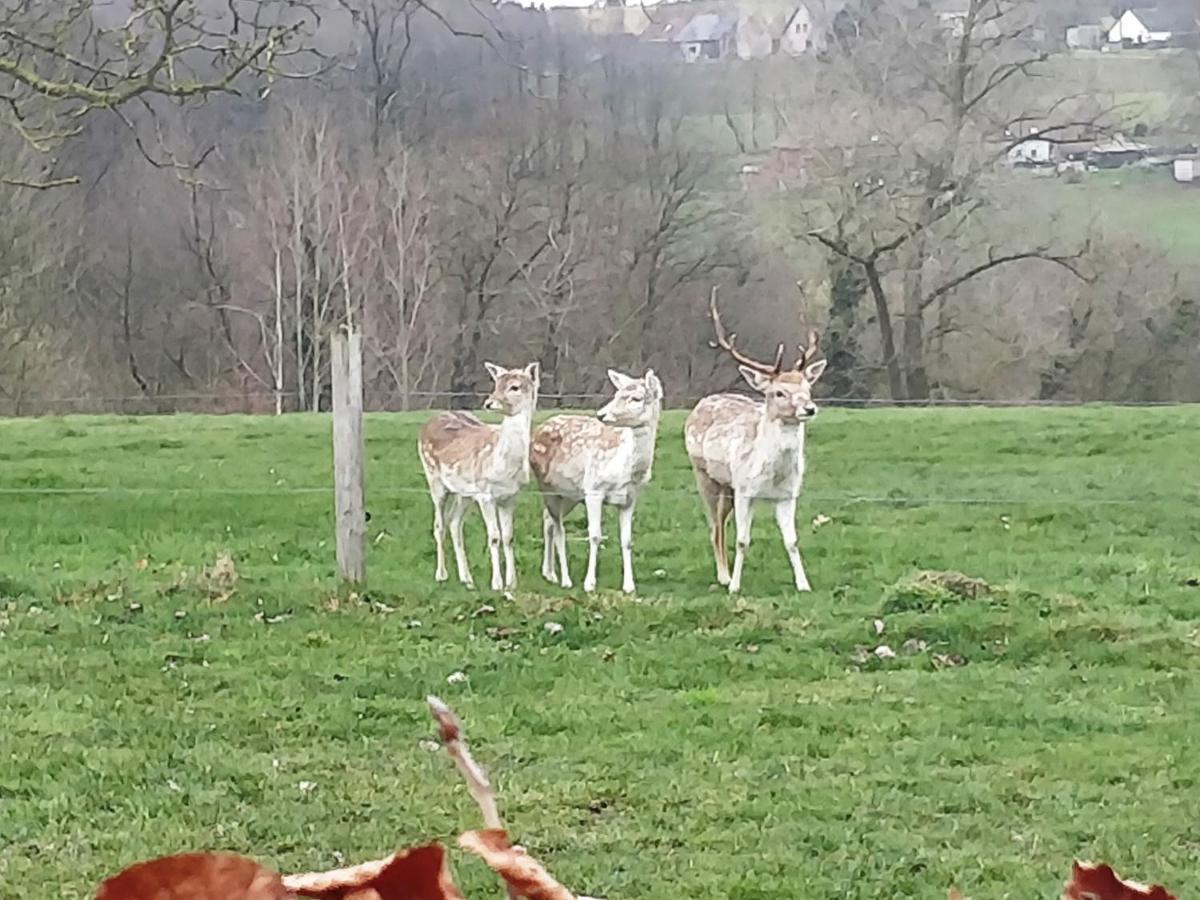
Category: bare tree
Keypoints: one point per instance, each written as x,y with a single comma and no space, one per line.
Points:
62,62
922,114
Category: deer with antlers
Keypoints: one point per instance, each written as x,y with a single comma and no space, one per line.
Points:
465,459
744,450
605,459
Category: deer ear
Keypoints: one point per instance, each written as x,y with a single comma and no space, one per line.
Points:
494,370
534,372
619,379
755,378
654,385
815,370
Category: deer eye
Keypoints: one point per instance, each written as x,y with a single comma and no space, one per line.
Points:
778,395
512,388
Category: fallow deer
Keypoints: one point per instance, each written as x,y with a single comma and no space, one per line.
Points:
465,459
606,459
744,450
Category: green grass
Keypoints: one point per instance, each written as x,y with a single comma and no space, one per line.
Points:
1144,206
680,744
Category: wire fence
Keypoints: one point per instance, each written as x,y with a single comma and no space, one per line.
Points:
263,402
577,400
648,492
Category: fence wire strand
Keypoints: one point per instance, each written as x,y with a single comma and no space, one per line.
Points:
562,397
650,491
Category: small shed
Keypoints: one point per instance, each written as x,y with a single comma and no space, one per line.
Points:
1085,37
1185,169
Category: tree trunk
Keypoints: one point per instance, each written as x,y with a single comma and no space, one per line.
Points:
886,335
916,380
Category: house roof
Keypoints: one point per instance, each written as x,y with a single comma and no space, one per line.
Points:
706,27
823,12
666,21
1176,20
1119,144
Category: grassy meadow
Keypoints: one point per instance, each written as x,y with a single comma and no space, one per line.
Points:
179,669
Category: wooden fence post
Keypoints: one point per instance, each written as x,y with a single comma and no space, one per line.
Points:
348,454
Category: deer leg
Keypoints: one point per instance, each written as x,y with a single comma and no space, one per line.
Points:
743,514
560,541
595,509
785,517
487,508
721,518
505,515
625,515
712,494
458,509
438,495
548,546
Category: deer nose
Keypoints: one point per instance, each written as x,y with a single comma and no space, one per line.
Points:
490,405
810,409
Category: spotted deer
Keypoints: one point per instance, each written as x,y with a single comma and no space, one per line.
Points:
597,461
744,450
465,459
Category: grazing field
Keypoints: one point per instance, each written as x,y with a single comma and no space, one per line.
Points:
156,697
1142,206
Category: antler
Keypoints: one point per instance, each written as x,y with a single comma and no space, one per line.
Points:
725,342
807,353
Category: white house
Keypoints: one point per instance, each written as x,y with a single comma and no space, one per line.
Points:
1151,26
1185,169
809,28
1032,151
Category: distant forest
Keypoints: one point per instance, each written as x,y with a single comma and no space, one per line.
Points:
195,193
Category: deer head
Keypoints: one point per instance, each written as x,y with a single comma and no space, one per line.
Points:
788,392
638,401
514,391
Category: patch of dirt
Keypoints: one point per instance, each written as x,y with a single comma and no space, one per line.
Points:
220,579
928,591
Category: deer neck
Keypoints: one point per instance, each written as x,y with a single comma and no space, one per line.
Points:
643,437
641,455
512,446
782,437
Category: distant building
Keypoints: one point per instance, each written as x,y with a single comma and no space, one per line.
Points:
1032,150
708,36
1085,37
1186,169
813,25
1116,152
1153,25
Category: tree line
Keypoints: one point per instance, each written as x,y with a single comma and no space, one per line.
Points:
197,193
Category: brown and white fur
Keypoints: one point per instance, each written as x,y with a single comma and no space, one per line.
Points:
606,459
465,459
744,450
